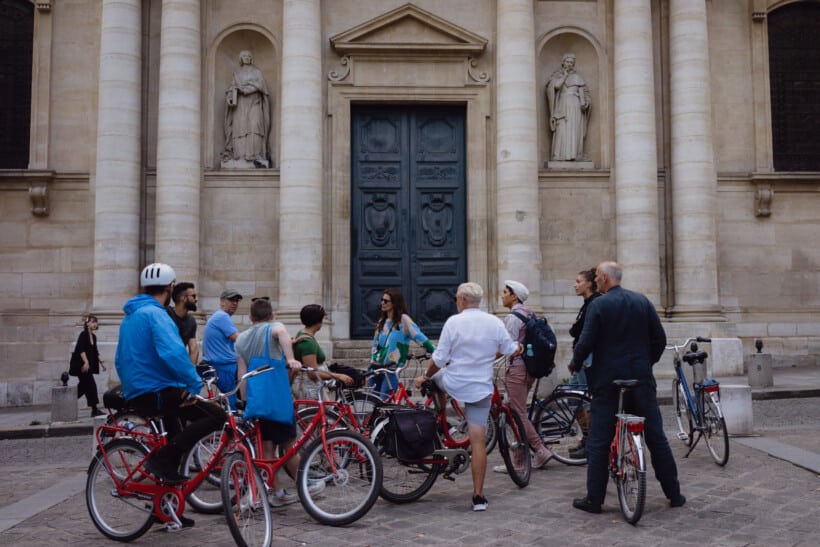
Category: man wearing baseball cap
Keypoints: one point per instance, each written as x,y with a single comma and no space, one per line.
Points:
218,341
517,381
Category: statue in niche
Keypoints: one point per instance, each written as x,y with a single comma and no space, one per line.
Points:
247,118
568,100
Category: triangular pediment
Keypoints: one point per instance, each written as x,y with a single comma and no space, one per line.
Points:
408,29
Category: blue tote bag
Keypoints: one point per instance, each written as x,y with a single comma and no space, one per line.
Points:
269,396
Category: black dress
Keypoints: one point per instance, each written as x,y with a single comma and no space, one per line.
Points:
86,342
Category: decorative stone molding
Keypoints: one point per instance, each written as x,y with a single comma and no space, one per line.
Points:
763,200
37,183
758,16
408,30
38,193
43,5
784,183
344,72
480,77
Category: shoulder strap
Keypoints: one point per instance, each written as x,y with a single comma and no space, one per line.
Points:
521,317
267,340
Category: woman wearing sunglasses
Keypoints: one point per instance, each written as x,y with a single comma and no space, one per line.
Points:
391,341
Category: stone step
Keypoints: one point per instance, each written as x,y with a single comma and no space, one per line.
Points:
354,353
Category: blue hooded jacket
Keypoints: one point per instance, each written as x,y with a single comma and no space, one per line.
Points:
150,354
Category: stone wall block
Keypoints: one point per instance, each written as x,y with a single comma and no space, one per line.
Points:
20,393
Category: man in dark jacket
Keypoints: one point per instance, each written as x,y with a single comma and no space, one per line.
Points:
623,332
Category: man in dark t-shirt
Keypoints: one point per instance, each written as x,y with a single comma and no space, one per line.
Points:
184,296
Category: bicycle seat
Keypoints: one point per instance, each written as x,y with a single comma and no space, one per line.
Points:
692,357
626,383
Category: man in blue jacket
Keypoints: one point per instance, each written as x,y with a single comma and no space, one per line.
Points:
157,376
623,332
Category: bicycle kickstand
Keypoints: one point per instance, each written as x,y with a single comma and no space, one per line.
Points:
694,444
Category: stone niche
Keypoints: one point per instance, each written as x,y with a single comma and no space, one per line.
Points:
223,61
591,65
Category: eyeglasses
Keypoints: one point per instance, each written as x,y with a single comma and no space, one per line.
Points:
265,298
385,300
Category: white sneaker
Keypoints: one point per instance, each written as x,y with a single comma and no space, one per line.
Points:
542,457
480,503
500,469
284,499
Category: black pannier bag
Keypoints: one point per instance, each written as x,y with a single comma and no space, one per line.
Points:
410,434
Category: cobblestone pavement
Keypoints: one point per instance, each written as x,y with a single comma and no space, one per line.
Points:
755,500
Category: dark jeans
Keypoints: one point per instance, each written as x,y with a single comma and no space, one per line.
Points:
88,387
641,401
201,417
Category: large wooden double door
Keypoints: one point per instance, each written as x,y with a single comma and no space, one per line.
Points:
408,215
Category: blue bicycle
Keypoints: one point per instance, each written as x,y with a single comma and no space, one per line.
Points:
697,410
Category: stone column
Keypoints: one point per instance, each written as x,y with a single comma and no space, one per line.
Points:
517,199
300,193
117,179
694,182
636,163
179,134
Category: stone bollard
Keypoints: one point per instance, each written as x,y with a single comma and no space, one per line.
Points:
760,370
726,357
64,404
736,404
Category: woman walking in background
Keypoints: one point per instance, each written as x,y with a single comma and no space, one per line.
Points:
86,362
391,341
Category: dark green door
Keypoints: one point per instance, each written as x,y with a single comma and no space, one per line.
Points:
408,216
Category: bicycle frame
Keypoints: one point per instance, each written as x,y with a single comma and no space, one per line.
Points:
694,397
629,431
143,485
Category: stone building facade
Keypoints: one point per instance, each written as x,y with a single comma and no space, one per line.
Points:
409,144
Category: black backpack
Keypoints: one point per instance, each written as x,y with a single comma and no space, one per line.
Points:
539,335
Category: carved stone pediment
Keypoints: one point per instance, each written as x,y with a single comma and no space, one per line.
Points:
405,30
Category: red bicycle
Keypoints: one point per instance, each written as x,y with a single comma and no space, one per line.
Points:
407,480
124,500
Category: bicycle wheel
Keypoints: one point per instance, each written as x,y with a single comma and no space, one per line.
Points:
514,447
362,405
716,434
245,498
631,478
352,472
117,513
402,482
558,421
207,498
686,427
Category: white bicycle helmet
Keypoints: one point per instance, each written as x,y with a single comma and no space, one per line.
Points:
157,274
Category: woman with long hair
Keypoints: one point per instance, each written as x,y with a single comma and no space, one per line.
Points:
86,362
391,341
585,287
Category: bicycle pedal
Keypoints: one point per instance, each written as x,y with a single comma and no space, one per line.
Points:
449,477
683,436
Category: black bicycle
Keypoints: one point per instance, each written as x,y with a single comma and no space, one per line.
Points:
562,421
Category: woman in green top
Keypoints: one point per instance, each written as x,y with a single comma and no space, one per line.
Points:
307,350
391,341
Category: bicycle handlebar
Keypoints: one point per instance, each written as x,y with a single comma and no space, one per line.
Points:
677,348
